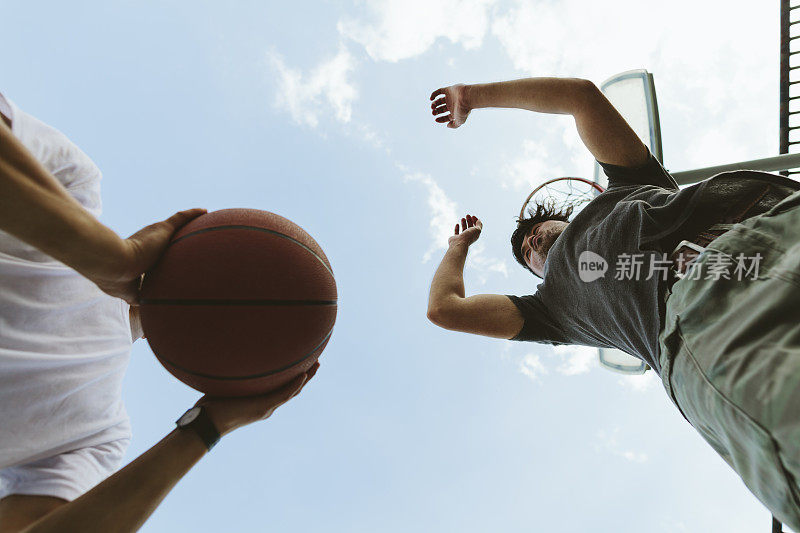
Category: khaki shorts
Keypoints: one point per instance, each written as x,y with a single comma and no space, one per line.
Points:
730,356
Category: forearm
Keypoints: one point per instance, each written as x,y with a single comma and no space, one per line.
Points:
448,281
13,154
124,501
543,95
35,208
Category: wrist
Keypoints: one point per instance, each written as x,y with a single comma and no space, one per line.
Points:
468,96
223,425
109,263
459,246
198,421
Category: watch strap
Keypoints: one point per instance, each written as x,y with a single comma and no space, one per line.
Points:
204,427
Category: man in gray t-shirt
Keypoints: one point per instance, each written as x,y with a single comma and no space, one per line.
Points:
634,225
642,215
564,309
727,349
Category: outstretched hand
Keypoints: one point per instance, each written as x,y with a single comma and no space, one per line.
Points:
451,106
468,232
141,251
231,413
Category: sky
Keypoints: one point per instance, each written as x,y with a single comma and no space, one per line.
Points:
319,111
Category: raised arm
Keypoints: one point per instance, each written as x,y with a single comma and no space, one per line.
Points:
492,315
603,130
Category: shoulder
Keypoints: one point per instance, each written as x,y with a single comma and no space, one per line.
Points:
539,323
651,172
71,166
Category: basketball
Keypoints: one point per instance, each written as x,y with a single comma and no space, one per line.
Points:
241,303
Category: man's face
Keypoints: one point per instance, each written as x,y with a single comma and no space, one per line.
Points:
538,242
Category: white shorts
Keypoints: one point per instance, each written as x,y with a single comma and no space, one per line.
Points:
66,475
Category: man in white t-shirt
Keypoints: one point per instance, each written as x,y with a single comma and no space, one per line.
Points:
68,289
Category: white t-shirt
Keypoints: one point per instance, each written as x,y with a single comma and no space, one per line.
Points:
64,344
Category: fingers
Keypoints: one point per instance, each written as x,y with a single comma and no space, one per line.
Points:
439,110
181,218
309,374
312,371
234,412
469,221
290,390
275,399
438,103
131,294
296,386
445,118
437,92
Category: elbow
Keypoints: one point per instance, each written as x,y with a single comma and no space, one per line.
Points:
438,315
584,96
434,314
586,85
587,91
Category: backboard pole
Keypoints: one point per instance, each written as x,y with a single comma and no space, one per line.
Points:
783,130
784,79
767,164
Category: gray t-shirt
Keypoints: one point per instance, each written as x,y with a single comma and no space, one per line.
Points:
639,219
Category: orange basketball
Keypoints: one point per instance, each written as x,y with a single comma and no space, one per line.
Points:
242,302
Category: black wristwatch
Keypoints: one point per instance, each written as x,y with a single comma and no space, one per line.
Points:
197,420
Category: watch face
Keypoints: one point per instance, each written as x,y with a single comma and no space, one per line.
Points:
188,416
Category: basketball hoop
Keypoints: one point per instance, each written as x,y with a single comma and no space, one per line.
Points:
560,193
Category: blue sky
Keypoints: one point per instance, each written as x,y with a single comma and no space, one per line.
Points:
319,111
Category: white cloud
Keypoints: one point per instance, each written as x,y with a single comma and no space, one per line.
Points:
401,29
609,442
370,136
672,526
443,213
566,38
531,365
306,96
443,217
480,262
558,151
705,80
575,359
532,167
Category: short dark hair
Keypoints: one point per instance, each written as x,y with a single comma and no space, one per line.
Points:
543,212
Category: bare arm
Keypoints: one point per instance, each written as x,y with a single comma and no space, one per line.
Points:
542,95
35,208
602,129
125,500
492,315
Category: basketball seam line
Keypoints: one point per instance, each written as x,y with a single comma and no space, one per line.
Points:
253,376
255,228
231,301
